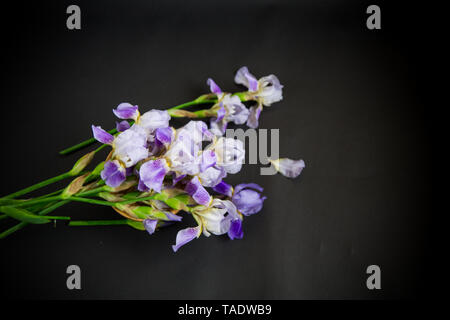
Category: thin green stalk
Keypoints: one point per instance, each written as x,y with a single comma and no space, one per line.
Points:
50,194
38,185
92,201
79,198
23,224
135,200
68,174
191,103
111,204
92,192
83,223
15,228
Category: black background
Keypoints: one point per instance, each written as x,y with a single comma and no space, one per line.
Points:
353,109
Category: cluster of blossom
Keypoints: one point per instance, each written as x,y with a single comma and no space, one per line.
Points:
164,160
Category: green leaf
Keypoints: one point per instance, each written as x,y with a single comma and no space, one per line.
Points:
24,215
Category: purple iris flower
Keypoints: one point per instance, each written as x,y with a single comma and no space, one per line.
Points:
229,108
264,91
113,173
247,198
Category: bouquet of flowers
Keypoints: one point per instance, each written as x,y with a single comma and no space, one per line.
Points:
155,172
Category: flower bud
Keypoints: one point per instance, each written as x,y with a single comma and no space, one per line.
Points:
82,163
75,186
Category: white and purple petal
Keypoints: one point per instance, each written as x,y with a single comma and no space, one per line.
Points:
270,90
212,176
150,225
197,131
218,128
253,117
247,198
164,135
122,126
152,174
154,119
172,217
230,154
288,167
237,111
186,235
101,135
213,86
208,159
244,77
243,186
130,146
126,110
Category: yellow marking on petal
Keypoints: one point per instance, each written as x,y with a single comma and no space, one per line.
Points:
138,117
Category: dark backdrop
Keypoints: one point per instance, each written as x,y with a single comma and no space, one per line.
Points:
353,109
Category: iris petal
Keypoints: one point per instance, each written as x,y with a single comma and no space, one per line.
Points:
184,236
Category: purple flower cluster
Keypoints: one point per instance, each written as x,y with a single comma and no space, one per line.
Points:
173,162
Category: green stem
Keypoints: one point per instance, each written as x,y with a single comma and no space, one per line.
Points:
86,200
23,224
135,200
44,183
191,103
92,192
83,223
113,131
50,194
38,185
92,201
13,229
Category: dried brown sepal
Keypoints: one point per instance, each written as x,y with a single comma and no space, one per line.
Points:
182,113
75,186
